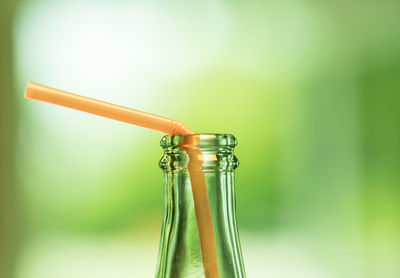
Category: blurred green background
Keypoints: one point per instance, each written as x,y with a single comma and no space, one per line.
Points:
311,90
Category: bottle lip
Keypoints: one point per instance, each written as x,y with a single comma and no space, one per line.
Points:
200,140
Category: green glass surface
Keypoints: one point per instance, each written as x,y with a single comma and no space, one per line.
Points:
180,252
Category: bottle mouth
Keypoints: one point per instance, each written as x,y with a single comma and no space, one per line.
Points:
213,151
203,140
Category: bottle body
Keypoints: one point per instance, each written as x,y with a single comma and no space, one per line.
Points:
180,253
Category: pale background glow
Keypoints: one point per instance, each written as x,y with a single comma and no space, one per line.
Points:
307,88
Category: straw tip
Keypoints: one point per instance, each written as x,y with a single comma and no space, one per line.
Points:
29,90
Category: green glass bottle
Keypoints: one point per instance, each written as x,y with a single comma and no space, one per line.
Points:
180,253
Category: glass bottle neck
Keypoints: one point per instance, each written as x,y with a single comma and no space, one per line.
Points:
180,250
188,242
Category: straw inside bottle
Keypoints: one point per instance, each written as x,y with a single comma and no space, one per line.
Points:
202,206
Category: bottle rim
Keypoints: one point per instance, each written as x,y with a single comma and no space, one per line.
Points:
198,140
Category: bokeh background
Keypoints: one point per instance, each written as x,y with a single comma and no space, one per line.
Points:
311,90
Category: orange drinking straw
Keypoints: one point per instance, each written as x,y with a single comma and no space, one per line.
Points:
105,109
203,213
